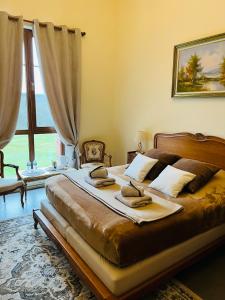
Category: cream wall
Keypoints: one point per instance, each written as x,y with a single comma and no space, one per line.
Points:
147,32
127,59
97,19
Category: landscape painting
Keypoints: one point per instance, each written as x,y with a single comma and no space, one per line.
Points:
199,68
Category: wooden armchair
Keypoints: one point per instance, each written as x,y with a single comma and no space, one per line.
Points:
7,186
93,154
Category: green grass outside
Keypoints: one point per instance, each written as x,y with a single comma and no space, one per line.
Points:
16,152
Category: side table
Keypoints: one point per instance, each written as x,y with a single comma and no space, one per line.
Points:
130,156
43,174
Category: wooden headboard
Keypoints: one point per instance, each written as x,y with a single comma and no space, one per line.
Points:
209,149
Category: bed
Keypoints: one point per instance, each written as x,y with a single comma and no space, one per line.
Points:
108,280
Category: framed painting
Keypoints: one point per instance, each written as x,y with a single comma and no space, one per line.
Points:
199,68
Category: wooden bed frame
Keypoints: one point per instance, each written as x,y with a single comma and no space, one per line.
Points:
196,146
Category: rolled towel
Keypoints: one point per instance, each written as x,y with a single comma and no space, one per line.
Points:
99,182
99,172
134,202
132,190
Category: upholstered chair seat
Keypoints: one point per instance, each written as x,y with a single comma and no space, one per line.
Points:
92,165
7,184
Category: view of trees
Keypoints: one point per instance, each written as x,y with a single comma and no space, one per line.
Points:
192,70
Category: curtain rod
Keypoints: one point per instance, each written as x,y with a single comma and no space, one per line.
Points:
44,24
57,27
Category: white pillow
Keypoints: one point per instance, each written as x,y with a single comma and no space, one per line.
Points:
140,167
171,181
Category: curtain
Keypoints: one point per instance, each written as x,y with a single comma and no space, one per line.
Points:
59,53
11,43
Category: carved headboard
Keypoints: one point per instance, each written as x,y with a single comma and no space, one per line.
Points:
209,149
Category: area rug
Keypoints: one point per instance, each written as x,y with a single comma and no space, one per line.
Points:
32,268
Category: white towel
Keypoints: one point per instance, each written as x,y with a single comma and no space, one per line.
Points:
99,172
99,182
134,201
131,190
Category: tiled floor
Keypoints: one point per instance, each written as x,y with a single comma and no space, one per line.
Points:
206,278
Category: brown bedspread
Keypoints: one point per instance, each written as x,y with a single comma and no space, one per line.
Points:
120,240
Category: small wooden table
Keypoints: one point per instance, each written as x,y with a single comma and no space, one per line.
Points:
130,156
43,174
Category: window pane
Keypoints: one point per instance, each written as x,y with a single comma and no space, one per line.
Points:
16,152
43,114
46,146
35,59
22,122
23,55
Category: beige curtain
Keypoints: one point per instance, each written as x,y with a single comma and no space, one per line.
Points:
59,53
11,42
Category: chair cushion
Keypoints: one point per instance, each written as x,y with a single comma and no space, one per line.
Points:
94,151
6,185
92,165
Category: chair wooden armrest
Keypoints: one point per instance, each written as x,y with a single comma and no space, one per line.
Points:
109,158
16,169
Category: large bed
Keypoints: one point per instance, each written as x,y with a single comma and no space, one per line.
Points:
122,260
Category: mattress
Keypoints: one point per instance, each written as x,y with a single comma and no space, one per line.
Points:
120,240
120,280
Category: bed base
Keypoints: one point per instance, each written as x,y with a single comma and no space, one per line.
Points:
96,285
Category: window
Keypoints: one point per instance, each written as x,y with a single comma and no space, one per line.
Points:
35,137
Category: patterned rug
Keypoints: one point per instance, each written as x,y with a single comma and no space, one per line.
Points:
32,268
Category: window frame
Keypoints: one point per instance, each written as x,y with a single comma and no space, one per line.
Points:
31,101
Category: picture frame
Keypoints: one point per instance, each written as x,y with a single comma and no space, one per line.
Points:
199,68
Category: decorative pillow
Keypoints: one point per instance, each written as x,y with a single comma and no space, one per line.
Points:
171,181
140,166
164,158
203,171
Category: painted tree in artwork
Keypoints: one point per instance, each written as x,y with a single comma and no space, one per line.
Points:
182,74
222,71
193,67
